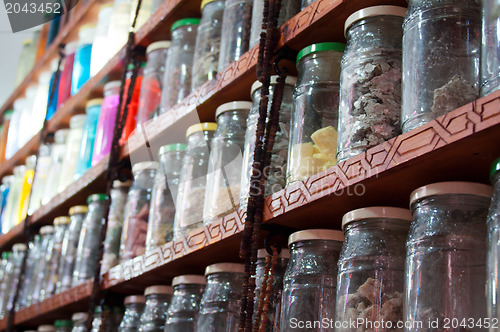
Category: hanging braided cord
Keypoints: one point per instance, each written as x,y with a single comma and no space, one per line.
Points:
266,292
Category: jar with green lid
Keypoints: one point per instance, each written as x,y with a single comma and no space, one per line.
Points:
61,227
276,179
370,82
134,307
88,244
135,224
79,322
371,268
69,247
162,211
206,55
178,68
493,262
155,311
63,325
490,47
193,179
313,136
446,255
47,233
224,169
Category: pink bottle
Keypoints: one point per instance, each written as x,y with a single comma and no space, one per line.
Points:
66,74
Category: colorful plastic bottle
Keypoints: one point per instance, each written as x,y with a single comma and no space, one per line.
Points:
67,72
81,68
25,193
93,110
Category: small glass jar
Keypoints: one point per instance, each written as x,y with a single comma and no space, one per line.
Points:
40,180
276,179
106,123
13,136
221,301
69,247
56,164
114,231
133,105
79,322
370,82
306,3
493,263
224,169
162,210
310,282
63,325
46,328
193,179
6,270
12,278
72,151
313,136
40,269
88,244
65,78
118,27
236,28
183,311
441,45
100,53
92,110
371,267
111,317
274,308
29,276
490,47
134,307
152,82
446,253
26,126
177,76
61,227
155,311
135,225
81,68
206,55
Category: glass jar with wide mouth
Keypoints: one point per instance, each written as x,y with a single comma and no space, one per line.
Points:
193,179
63,325
56,164
134,306
220,304
40,268
72,151
446,251
61,228
183,311
12,278
310,282
154,314
493,263
29,270
40,178
490,47
92,110
81,67
313,136
372,267
224,169
65,78
441,45
99,54
79,322
276,179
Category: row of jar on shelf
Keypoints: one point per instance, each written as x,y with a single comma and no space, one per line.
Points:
382,272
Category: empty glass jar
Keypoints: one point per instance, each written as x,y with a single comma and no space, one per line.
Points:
371,268
441,45
40,269
61,227
155,311
446,251
134,306
490,47
224,168
220,304
493,263
12,278
79,322
182,313
313,137
310,282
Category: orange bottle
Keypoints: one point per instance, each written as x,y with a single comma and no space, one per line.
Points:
3,134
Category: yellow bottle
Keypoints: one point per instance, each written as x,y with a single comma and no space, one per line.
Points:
24,198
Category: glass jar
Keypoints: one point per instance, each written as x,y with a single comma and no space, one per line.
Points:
13,136
40,178
24,198
29,270
274,309
313,136
63,325
119,27
162,210
371,268
61,227
40,268
370,93
490,47
4,194
65,78
79,322
206,55
152,82
72,151
111,317
446,251
81,67
92,111
69,247
182,313
177,76
135,225
9,217
56,165
310,282
100,54
53,89
441,44
25,62
133,105
46,328
306,3
193,179
26,127
134,307
88,244
155,311
288,10
493,263
276,179
224,168
116,214
40,102
106,123
12,278
221,301
236,28
5,133
6,270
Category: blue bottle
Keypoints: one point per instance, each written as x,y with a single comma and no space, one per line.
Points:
52,102
4,192
93,110
81,66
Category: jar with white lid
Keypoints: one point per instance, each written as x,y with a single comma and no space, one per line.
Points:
193,179
155,311
221,301
313,136
61,227
81,66
47,233
100,54
371,275
40,180
446,253
118,27
493,263
79,322
76,124
490,47
135,224
224,169
56,164
310,282
276,179
134,307
182,313
46,328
